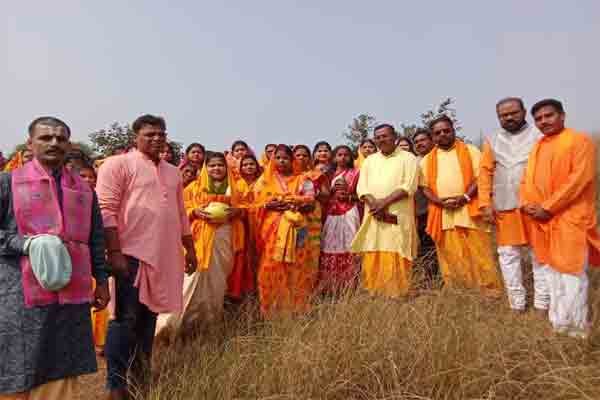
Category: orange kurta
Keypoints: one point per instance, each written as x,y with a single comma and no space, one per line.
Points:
561,177
510,230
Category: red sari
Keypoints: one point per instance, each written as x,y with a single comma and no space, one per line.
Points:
339,266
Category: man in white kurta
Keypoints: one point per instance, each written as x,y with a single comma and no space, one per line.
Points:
387,238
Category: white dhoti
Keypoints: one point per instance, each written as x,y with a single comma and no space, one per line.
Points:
204,291
568,311
511,263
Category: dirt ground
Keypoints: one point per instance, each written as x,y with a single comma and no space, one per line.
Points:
92,386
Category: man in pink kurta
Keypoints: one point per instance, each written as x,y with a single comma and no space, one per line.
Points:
141,198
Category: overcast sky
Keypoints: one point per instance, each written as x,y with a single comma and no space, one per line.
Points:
285,71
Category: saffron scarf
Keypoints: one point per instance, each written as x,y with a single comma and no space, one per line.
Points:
274,186
434,217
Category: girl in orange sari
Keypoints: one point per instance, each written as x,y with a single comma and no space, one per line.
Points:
242,280
239,149
189,173
285,282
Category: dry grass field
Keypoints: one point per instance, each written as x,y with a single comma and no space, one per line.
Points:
436,345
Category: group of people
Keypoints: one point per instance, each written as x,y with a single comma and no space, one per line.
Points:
178,239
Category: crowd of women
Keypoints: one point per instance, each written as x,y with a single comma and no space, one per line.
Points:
250,249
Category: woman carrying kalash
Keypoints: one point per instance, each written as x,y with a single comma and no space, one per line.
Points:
211,203
285,280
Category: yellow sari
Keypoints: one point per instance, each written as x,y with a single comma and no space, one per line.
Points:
218,248
285,281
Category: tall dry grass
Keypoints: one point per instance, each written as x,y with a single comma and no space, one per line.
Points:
444,345
447,344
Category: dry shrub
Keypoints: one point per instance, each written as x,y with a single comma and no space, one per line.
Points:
447,345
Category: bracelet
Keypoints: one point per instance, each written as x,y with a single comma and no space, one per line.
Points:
467,198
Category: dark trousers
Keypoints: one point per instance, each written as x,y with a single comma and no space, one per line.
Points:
130,335
427,254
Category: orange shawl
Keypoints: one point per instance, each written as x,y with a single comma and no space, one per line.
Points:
434,216
197,195
233,166
264,160
15,162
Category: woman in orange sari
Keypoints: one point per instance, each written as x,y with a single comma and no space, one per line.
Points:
317,173
242,280
195,154
239,149
285,281
267,155
366,148
217,241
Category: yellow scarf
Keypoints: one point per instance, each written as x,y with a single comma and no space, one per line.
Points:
287,234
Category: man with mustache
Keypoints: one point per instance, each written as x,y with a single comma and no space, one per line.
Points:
387,238
146,227
558,194
463,240
51,245
503,160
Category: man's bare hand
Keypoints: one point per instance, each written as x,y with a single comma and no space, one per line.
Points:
118,264
101,296
536,212
191,262
488,214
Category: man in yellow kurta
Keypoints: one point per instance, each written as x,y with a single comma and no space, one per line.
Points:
505,154
463,240
558,194
387,238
